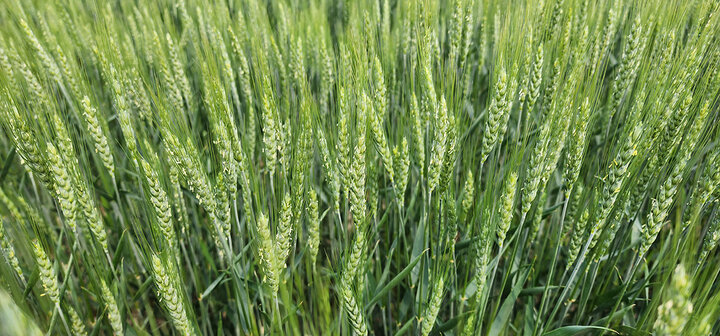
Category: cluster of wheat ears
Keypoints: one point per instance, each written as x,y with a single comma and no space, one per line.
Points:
385,167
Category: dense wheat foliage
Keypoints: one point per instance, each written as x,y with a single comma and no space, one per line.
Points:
379,167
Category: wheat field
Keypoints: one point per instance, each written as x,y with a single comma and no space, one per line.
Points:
371,167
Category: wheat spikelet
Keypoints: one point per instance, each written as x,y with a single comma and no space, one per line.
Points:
78,327
14,211
176,192
187,160
47,274
343,144
455,33
45,58
266,252
138,94
418,134
122,106
165,281
98,135
8,68
358,208
661,205
449,158
678,112
354,260
313,225
271,138
63,187
433,307
481,263
467,40
300,170
226,182
242,173
174,95
438,146
712,237
538,216
607,35
179,71
574,207
708,183
227,68
498,113
673,313
39,95
381,143
90,212
428,86
327,74
577,237
613,182
357,171
380,93
112,309
161,205
251,128
28,148
468,194
372,188
331,172
481,260
284,234
243,68
65,147
557,142
297,64
550,90
451,223
401,159
535,168
70,76
8,252
357,318
628,66
506,207
576,146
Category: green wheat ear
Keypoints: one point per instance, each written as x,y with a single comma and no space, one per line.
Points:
78,326
266,252
284,233
440,138
98,135
113,313
313,222
166,282
498,115
401,158
433,307
8,251
468,193
161,205
672,313
506,208
47,274
64,188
